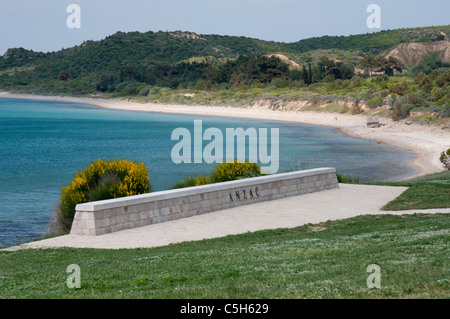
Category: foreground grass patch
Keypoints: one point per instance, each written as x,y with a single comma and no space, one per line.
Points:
431,191
328,260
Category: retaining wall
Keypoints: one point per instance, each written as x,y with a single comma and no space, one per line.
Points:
101,217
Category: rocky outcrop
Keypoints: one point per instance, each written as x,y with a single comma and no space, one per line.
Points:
412,54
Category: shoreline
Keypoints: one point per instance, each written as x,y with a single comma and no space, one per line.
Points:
424,142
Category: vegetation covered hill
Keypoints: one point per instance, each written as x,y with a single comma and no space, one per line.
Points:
176,66
374,42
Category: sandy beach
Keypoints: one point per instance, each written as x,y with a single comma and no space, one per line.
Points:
425,142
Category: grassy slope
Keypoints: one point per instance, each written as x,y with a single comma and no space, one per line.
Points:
431,191
329,260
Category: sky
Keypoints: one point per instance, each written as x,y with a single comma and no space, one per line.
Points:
41,25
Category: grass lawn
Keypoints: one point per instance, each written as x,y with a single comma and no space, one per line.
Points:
431,191
328,260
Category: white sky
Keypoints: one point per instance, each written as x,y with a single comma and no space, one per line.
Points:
40,25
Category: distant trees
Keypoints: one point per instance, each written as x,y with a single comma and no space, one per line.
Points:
106,83
63,76
431,62
326,70
388,65
246,70
243,72
424,82
368,63
335,70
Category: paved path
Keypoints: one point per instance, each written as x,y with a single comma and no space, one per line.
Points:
345,202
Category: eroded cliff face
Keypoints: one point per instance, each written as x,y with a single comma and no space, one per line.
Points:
412,54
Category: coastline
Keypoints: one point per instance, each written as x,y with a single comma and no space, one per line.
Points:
425,142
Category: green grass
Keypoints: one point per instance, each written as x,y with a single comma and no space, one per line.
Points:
431,191
328,260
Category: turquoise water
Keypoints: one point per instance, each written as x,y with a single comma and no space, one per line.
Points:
43,144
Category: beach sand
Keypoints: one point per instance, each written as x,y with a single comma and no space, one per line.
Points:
425,142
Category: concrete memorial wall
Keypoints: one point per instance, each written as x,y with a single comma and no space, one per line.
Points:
102,217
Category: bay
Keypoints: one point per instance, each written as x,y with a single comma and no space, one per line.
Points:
43,144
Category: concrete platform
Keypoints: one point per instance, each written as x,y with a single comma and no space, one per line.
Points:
345,202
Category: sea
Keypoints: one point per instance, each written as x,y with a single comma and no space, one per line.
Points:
44,144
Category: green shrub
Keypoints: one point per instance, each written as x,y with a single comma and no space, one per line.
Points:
165,90
414,99
357,81
375,102
356,109
101,180
439,94
445,159
154,90
192,181
344,109
445,111
107,184
380,78
443,80
130,89
223,172
399,89
346,179
144,91
443,100
400,112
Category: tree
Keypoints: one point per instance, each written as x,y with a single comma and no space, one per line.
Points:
305,76
106,82
368,62
63,76
389,65
309,73
296,75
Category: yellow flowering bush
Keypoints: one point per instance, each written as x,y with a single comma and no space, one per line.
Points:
192,181
235,170
102,180
201,180
222,173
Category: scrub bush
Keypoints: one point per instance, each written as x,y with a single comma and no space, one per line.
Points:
192,181
374,102
445,159
235,170
223,172
101,180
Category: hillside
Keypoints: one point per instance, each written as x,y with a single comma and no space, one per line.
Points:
374,42
134,48
413,54
169,66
